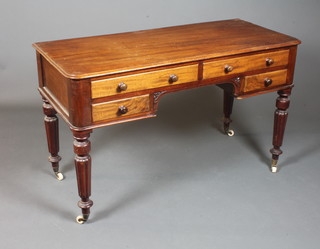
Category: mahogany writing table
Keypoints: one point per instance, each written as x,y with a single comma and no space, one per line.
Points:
98,81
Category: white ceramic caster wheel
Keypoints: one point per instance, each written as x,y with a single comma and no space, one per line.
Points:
80,219
230,133
59,176
274,167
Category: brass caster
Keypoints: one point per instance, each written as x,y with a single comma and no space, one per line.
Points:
59,176
80,219
274,167
230,133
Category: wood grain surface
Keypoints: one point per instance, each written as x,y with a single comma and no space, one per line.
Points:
109,54
256,82
143,81
245,63
110,110
56,83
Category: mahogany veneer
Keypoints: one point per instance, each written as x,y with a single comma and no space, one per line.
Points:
104,80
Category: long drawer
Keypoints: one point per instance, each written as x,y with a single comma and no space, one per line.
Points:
242,64
143,81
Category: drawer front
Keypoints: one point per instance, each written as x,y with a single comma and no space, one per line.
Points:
265,81
143,81
244,64
120,108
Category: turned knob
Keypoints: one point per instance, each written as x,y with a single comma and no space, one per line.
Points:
267,82
122,86
173,78
123,109
269,61
228,68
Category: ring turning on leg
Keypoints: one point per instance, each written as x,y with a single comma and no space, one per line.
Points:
55,166
85,207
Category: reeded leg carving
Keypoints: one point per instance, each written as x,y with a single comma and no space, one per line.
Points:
52,131
227,109
82,160
280,120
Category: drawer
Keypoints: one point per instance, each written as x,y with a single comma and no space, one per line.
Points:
143,81
265,81
242,64
120,108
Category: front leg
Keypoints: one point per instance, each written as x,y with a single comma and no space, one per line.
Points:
82,161
52,131
280,120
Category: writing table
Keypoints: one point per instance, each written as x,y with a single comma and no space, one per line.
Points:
103,80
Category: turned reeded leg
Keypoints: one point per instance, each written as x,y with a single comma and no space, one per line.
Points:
227,109
52,131
82,161
280,120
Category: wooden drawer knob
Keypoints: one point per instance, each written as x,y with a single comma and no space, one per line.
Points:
122,87
123,109
228,68
267,82
173,78
269,61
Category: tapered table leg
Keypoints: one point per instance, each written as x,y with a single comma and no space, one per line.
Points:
280,120
82,160
52,131
227,110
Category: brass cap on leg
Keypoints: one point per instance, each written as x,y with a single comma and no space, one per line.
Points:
274,167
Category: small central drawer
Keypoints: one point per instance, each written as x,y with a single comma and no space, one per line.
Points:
143,81
242,64
120,108
265,81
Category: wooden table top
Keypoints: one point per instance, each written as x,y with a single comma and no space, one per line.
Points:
95,56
